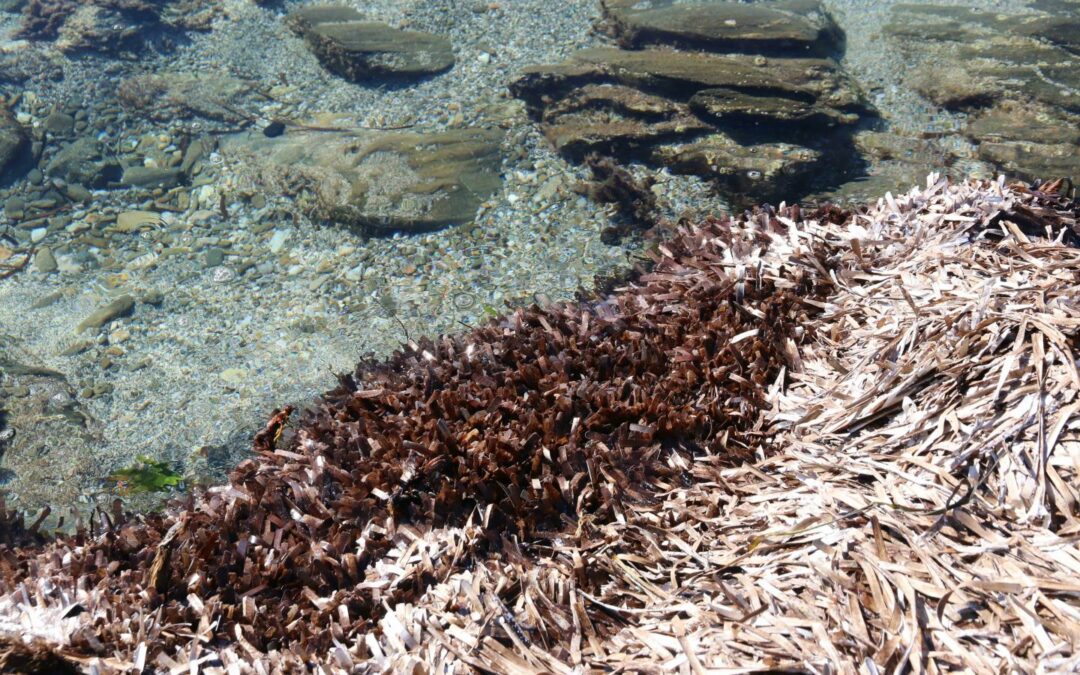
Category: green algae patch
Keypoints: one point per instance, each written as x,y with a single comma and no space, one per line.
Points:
147,475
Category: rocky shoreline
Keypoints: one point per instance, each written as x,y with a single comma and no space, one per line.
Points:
209,208
607,483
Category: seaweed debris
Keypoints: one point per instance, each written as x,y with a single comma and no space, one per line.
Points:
792,444
633,198
147,475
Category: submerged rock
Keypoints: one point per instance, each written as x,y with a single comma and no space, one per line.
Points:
110,26
120,307
83,162
13,140
770,168
678,75
1019,74
788,27
380,181
167,95
752,123
151,177
968,59
1028,140
359,50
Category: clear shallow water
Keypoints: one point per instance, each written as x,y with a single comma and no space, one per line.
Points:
197,202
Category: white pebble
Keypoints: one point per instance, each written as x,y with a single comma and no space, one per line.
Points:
355,273
278,241
38,233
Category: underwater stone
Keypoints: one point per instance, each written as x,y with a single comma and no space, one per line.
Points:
769,169
360,50
306,18
13,140
60,124
752,124
1016,74
45,261
120,307
965,59
151,177
81,162
794,28
110,26
167,95
381,181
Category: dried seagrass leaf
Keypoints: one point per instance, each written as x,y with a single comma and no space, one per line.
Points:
771,447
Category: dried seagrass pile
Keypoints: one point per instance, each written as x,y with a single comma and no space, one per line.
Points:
842,442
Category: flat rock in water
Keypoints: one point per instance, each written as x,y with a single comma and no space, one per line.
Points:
964,58
83,162
791,28
1028,140
134,221
770,168
1017,75
678,75
152,176
120,307
170,94
360,50
752,123
381,181
305,18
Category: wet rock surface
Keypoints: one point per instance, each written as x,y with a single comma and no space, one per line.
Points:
110,26
1017,76
163,96
381,181
756,124
1028,140
13,140
84,162
120,307
360,50
783,28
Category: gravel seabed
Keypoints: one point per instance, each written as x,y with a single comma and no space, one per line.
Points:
231,341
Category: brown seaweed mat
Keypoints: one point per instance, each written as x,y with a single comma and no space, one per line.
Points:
827,442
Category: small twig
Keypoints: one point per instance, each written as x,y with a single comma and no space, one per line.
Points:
403,328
